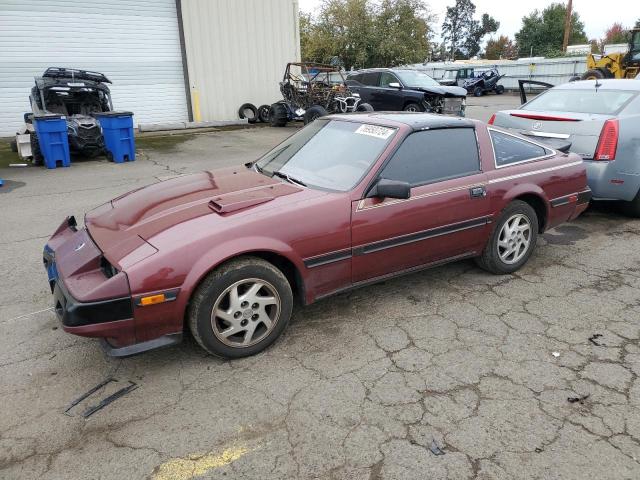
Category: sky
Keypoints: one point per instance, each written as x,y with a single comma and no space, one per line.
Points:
596,15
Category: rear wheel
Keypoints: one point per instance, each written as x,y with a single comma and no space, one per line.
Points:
364,107
413,107
593,74
477,92
36,154
512,241
278,115
240,308
314,112
632,208
499,89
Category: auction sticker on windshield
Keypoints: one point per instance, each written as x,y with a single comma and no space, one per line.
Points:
375,131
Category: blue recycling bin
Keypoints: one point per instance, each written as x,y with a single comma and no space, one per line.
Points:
117,129
53,140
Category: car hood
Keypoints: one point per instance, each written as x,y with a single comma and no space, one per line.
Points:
129,222
443,90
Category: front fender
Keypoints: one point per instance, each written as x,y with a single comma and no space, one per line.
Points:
230,249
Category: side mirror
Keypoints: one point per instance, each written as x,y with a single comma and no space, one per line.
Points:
395,85
386,188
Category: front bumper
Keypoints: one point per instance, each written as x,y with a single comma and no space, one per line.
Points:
92,301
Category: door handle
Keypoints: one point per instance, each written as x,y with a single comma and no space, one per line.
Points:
477,192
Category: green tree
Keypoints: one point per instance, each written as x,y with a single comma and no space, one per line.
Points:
544,31
402,33
487,25
367,33
462,33
500,48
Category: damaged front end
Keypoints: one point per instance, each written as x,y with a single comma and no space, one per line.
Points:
445,105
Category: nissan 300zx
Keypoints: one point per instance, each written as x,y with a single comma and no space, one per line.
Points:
344,202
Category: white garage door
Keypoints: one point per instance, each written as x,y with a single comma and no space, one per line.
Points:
135,43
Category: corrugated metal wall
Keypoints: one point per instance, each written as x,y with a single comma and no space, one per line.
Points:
551,70
237,51
135,43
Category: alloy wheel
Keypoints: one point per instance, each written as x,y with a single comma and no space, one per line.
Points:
514,239
245,313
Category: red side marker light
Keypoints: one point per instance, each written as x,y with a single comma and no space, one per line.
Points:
492,119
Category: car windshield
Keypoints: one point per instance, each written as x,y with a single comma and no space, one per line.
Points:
413,78
605,102
328,154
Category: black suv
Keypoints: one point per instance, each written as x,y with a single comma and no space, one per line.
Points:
396,89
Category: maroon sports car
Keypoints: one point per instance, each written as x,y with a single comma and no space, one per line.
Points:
344,202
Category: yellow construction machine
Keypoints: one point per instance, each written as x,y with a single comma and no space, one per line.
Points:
616,65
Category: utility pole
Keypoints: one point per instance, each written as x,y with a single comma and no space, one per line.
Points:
567,27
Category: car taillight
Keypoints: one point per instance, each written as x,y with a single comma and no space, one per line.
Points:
608,142
492,119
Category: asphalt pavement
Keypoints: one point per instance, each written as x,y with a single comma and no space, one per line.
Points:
451,373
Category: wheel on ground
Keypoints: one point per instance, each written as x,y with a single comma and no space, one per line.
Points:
248,111
364,107
593,74
36,155
632,208
278,115
477,92
240,308
263,113
499,89
512,241
314,112
413,107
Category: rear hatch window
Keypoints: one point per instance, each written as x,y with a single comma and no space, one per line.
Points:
603,102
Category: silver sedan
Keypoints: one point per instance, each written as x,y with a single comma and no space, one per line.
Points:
601,121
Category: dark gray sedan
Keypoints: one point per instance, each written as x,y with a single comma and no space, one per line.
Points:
601,121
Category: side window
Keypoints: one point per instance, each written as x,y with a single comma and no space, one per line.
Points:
386,78
370,79
510,149
434,155
355,78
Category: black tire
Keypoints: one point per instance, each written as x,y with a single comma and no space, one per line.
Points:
593,74
499,89
490,259
478,92
413,107
263,113
364,107
278,115
314,112
36,154
214,286
248,111
575,78
632,208
13,145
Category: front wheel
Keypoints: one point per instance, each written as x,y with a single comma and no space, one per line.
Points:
593,74
240,308
477,92
499,89
314,112
512,240
413,107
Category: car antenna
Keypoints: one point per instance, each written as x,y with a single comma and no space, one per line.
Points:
597,85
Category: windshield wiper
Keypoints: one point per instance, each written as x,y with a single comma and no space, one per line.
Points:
289,178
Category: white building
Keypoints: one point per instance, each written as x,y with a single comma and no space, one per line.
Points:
169,60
